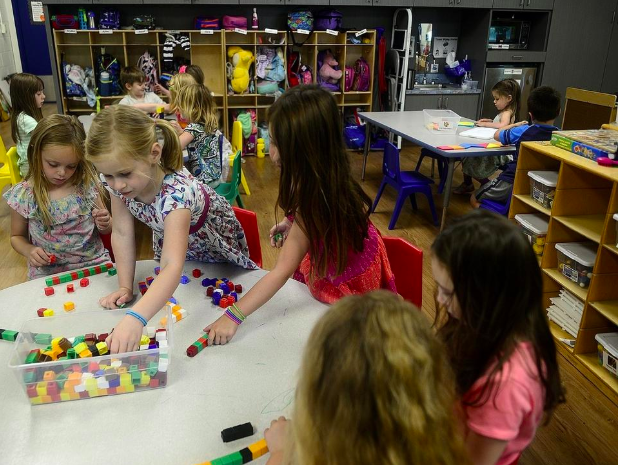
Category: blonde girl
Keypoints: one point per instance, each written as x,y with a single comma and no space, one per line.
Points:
177,82
207,147
374,388
147,181
507,96
57,211
27,99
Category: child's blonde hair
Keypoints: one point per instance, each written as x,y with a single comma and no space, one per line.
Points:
24,87
122,130
64,131
197,105
177,82
375,387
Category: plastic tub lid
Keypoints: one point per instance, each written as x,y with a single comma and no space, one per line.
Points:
583,252
535,222
548,178
609,341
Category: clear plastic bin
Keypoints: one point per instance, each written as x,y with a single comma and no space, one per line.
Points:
576,260
469,85
616,220
85,378
543,186
608,351
441,121
534,226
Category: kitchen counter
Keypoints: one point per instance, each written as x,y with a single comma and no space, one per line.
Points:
443,91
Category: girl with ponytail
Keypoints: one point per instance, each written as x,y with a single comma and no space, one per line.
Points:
140,161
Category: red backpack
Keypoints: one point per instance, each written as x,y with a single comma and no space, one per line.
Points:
362,75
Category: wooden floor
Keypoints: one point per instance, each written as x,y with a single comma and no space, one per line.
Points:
584,431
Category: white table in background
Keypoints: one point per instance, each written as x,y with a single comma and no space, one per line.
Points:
410,125
252,379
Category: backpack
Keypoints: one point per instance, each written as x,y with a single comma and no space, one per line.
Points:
64,22
148,65
302,19
234,22
328,19
362,75
108,63
202,22
297,72
144,22
109,19
348,78
323,83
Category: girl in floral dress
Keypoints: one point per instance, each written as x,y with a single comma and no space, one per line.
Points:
147,181
57,211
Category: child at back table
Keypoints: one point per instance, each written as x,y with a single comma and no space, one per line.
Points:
374,388
57,211
496,334
507,95
543,108
147,181
331,245
27,99
208,149
133,82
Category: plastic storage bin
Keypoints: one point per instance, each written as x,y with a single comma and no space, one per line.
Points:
441,121
608,351
534,226
616,220
543,186
576,260
85,378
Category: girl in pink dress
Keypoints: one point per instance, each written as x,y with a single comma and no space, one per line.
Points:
330,245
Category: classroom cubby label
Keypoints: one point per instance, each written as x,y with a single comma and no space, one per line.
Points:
106,31
70,31
240,31
303,31
141,31
360,33
271,31
332,33
207,32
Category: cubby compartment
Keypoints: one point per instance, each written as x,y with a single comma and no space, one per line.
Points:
107,37
238,38
63,37
325,38
206,37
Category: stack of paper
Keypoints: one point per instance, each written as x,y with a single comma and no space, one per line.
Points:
479,133
566,311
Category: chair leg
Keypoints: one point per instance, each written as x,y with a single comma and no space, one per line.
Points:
413,201
432,207
433,167
420,161
401,198
375,202
243,182
239,201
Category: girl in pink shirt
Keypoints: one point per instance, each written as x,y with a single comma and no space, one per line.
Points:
496,334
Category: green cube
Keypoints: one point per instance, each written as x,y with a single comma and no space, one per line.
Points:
234,459
49,281
66,278
32,356
71,353
92,271
42,338
9,335
80,274
136,377
61,379
112,272
30,376
153,368
78,340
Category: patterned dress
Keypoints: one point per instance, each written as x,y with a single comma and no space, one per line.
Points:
483,167
73,238
366,271
215,234
205,157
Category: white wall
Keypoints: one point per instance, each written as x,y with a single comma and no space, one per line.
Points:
9,49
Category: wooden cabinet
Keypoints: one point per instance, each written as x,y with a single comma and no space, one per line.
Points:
524,4
586,199
465,105
515,56
473,3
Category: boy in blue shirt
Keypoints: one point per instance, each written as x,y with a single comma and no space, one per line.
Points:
543,108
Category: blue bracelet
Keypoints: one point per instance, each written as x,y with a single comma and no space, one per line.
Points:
138,316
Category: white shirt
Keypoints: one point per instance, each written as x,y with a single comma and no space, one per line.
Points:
149,97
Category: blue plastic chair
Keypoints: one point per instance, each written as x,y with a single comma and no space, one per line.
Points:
407,183
496,207
442,163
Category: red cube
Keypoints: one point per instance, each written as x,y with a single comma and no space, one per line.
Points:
102,337
111,391
74,275
49,291
40,312
238,288
87,272
70,288
52,388
223,303
209,291
230,284
56,280
93,367
197,273
31,390
52,259
84,282
154,383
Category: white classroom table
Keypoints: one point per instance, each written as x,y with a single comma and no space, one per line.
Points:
251,379
410,125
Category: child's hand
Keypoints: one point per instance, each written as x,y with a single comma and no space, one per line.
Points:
484,120
279,232
221,331
119,297
159,88
483,123
102,218
38,257
177,127
126,336
276,434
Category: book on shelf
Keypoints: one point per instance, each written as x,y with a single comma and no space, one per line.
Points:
590,143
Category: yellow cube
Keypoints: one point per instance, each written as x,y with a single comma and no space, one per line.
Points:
144,340
68,307
85,354
41,388
125,379
64,396
120,390
103,349
129,388
36,400
48,312
145,379
46,399
79,348
91,384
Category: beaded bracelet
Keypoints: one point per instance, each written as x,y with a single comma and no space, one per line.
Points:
238,313
230,314
138,316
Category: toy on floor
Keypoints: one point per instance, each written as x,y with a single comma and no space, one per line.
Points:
222,291
237,432
43,312
73,275
178,313
246,455
198,346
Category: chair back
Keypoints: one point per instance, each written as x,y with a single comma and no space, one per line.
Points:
496,207
236,136
229,190
585,109
248,221
13,167
406,262
3,155
390,166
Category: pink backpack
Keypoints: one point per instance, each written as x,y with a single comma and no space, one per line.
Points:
349,78
362,75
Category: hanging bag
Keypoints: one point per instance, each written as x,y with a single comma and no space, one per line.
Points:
328,19
302,19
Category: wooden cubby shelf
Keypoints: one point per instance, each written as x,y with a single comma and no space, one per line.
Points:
209,51
585,201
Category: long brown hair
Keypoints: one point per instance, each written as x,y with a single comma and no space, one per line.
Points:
24,86
316,179
498,284
58,130
374,387
123,130
509,88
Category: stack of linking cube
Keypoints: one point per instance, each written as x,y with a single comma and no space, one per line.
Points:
222,291
178,313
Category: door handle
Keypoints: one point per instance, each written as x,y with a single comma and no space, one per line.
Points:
446,104
521,3
439,103
528,4
517,57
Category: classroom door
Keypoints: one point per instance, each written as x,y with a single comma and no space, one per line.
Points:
33,49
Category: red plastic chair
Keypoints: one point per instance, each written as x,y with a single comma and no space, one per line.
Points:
406,262
107,243
248,221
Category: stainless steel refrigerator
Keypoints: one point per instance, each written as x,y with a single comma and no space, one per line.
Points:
525,77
